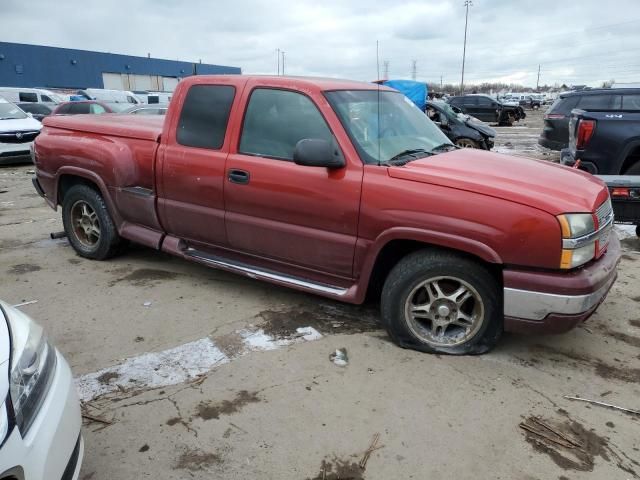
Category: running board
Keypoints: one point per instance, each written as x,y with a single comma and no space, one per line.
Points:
260,273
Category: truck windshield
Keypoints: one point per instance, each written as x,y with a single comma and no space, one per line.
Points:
8,111
383,125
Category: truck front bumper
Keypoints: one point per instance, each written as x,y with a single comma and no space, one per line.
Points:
555,302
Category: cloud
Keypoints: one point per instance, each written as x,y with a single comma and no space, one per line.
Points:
506,39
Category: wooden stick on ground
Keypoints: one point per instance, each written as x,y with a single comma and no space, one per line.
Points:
367,454
530,429
555,432
93,418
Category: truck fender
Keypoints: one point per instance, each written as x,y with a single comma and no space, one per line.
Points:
428,237
93,178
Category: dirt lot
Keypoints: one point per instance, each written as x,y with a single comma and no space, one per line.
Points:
203,374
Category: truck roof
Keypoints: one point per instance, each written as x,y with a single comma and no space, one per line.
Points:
318,83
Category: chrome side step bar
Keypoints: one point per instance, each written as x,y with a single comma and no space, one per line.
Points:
259,273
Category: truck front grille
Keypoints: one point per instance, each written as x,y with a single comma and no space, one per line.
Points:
604,213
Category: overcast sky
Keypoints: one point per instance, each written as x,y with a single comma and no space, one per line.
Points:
585,41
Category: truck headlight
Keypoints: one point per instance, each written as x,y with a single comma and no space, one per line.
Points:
578,239
33,362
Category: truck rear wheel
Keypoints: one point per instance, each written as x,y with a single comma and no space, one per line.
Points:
88,225
440,302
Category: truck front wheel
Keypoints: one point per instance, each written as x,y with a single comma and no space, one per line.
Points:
439,302
88,224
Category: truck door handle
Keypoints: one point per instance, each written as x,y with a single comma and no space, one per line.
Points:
238,176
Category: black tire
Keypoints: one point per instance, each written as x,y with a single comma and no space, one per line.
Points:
100,246
428,264
466,143
638,231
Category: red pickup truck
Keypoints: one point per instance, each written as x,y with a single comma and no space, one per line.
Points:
343,189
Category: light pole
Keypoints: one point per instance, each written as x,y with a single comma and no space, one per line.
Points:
278,55
467,4
282,62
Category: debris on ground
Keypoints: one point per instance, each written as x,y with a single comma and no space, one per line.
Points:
339,357
30,302
372,448
146,304
603,404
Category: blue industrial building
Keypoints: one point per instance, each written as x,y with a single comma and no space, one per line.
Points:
23,65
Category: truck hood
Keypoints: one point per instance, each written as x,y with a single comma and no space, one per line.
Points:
543,185
20,125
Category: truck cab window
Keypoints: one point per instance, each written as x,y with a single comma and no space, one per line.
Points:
204,116
28,97
276,120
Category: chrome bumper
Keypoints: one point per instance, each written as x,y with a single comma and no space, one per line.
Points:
531,305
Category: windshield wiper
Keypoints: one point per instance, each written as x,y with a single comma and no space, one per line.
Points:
401,157
444,146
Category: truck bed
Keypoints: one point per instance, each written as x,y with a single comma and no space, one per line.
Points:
142,127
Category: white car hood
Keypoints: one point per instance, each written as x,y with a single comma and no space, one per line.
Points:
20,125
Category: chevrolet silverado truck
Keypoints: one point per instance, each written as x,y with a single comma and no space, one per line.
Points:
343,189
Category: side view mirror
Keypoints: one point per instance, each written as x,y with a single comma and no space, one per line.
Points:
317,152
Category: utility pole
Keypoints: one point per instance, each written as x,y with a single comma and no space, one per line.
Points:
385,75
414,69
278,55
440,82
538,82
467,4
282,62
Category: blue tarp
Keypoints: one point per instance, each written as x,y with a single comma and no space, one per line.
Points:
414,91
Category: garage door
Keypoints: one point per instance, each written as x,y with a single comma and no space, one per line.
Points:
112,81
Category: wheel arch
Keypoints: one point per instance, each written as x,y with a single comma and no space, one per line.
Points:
630,156
68,177
394,245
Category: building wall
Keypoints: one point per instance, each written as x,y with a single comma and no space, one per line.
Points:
24,65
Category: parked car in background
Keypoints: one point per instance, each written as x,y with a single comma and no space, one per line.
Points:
159,97
488,109
555,133
148,110
31,95
94,107
17,132
461,129
529,101
40,418
37,110
111,96
625,197
606,142
343,189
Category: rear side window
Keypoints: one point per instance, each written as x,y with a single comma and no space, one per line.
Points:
564,105
596,102
204,117
631,102
276,120
79,108
484,101
28,97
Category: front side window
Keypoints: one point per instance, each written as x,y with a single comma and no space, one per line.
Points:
484,102
383,125
97,109
45,98
276,120
204,117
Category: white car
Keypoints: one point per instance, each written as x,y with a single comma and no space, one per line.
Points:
17,131
40,416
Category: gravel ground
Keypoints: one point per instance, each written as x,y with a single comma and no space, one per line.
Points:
203,374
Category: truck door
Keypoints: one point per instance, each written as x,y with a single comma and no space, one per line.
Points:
305,216
191,169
